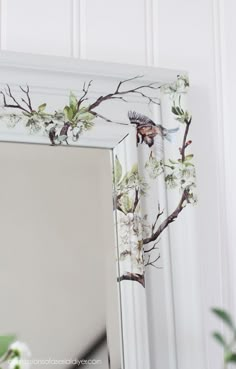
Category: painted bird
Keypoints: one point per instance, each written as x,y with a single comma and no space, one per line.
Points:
147,130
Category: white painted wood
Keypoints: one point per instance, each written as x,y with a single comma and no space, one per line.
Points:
40,27
149,33
1,19
222,111
122,19
200,277
132,295
51,79
71,66
228,58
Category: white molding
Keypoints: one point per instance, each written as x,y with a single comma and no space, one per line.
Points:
221,118
72,66
60,73
152,58
170,299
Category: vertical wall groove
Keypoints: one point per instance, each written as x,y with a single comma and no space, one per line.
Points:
149,32
78,29
155,32
75,29
2,24
82,29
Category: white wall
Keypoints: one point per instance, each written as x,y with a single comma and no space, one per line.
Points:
196,35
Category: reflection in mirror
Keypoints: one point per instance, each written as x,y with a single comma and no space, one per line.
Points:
57,267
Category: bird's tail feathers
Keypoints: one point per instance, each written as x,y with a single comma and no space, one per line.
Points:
168,133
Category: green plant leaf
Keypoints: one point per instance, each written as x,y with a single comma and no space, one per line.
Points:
230,357
219,338
5,342
117,170
179,110
173,161
189,157
134,169
224,316
42,107
68,113
126,203
84,116
174,111
73,102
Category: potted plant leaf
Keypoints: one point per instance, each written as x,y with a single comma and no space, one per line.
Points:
228,344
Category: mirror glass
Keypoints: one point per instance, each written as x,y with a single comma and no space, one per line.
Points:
58,257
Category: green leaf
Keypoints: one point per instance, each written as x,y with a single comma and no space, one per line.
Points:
220,339
179,110
189,157
174,111
84,116
117,170
68,113
187,164
223,315
73,102
5,342
42,107
126,203
134,169
230,357
172,161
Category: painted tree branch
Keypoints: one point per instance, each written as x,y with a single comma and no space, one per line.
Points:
152,263
186,119
85,93
185,143
171,218
118,93
152,248
28,102
132,277
16,104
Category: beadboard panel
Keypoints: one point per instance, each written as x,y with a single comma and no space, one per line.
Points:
203,279
115,31
42,27
227,9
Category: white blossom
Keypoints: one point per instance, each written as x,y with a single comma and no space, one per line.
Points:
20,349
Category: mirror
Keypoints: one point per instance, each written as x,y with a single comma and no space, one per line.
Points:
58,258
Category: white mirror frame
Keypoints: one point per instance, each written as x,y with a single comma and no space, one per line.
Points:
19,69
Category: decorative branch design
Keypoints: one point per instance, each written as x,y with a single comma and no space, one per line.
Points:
118,94
75,118
16,104
138,238
178,173
171,218
132,277
152,262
